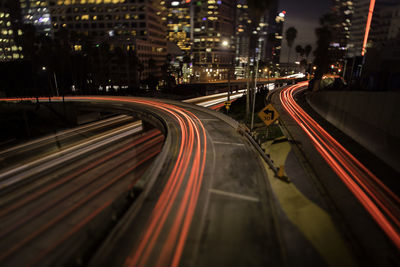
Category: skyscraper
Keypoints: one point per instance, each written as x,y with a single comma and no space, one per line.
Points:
342,12
357,29
130,25
274,42
359,21
274,34
268,32
214,46
242,39
179,19
10,31
37,13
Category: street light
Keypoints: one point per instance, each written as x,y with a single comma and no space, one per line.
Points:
257,57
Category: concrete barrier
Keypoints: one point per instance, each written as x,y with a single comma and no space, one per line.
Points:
370,118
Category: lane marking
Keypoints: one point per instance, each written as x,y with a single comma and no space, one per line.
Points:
62,134
209,119
227,143
233,195
31,168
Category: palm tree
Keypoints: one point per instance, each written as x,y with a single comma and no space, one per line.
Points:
291,35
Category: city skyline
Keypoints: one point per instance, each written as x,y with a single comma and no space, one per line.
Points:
158,43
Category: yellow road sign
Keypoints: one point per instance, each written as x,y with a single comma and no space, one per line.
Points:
268,115
227,104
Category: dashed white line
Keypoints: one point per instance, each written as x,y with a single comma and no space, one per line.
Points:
227,143
209,119
234,195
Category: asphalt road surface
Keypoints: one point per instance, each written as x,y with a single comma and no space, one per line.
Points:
204,200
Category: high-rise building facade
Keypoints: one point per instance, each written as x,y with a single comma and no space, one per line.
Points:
357,29
242,40
379,29
179,20
120,23
37,13
274,34
213,38
268,33
9,33
342,12
275,37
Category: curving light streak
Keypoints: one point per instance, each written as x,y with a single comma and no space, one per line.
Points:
37,194
57,219
147,142
141,159
178,199
368,26
193,148
380,202
184,179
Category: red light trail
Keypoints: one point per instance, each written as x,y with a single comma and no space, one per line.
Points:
170,205
368,26
175,207
380,202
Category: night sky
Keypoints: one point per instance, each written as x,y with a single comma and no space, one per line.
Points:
304,16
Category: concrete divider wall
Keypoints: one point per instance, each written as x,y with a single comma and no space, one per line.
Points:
370,118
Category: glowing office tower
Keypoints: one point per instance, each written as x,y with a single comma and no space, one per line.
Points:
179,20
268,32
242,25
129,24
213,36
343,13
108,18
37,13
274,38
9,32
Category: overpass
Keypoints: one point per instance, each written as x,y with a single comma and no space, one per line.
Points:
192,200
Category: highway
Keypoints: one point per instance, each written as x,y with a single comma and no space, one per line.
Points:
44,146
189,191
174,214
377,199
215,101
67,184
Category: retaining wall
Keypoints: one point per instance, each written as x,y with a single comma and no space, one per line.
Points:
370,118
